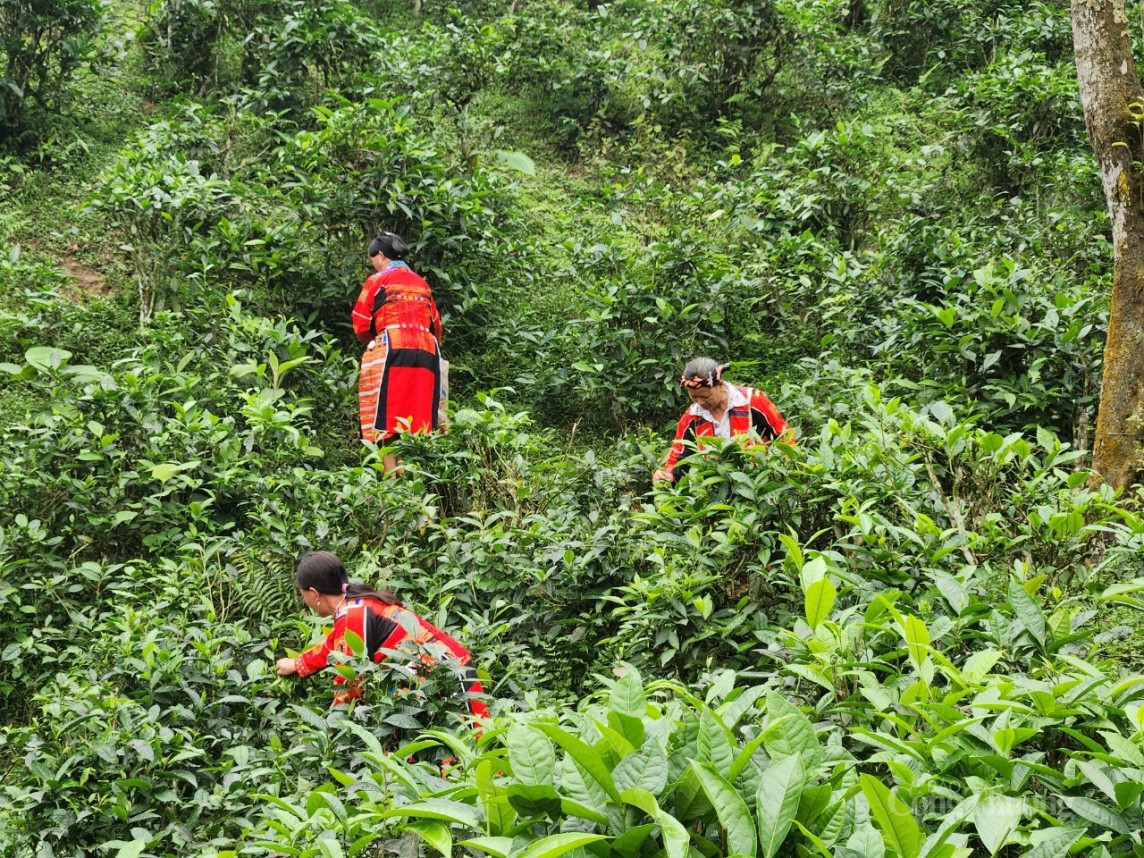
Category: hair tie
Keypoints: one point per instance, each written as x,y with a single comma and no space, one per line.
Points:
345,587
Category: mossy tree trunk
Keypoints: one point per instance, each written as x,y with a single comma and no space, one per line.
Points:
1113,102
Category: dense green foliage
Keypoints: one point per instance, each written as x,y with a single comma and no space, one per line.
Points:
910,633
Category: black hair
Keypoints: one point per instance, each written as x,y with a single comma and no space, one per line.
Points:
701,372
324,571
389,243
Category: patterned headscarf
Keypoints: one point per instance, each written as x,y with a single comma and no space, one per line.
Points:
701,372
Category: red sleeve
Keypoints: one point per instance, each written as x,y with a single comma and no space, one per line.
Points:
435,320
362,316
678,448
317,656
761,404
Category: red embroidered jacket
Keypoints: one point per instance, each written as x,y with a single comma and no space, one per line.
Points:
398,301
381,627
748,409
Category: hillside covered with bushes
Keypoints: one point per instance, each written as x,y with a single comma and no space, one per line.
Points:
912,633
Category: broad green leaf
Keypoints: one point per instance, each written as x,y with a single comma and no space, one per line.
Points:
979,664
581,786
894,819
357,647
934,847
1097,777
866,841
917,638
1027,610
165,471
713,744
1128,794
732,811
45,358
1057,845
619,742
996,818
531,756
796,736
813,803
585,756
582,811
436,834
1124,748
1096,812
556,844
498,847
820,598
676,840
439,808
627,696
815,840
534,799
641,798
517,161
776,801
690,800
813,570
630,728
734,709
952,590
628,844
127,850
647,768
494,800
748,751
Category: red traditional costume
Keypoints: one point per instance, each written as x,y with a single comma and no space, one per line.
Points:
400,384
748,410
384,627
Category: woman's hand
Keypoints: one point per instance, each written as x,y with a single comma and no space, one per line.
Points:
286,667
662,474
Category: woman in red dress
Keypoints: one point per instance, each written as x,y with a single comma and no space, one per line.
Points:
399,389
379,620
718,409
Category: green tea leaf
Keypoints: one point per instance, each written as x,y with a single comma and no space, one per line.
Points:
1059,844
647,768
1095,812
796,736
731,810
439,808
1028,612
556,845
627,697
819,601
713,744
586,757
996,818
498,847
776,801
894,819
531,756
436,834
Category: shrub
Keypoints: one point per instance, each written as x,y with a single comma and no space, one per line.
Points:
42,44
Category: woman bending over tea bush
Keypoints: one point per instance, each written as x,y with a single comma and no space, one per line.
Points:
718,410
399,388
378,619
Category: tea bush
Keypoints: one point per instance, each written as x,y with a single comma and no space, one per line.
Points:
908,632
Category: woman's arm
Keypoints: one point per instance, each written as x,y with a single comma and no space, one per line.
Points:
684,432
362,316
317,656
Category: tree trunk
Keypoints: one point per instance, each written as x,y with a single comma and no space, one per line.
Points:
1113,102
